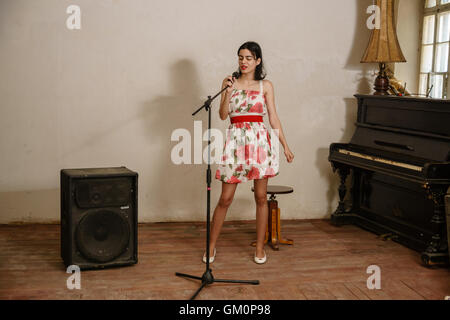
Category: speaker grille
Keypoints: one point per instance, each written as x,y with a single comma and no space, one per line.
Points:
102,235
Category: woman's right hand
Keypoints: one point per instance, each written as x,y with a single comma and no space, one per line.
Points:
224,110
229,81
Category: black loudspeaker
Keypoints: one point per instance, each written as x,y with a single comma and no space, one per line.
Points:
99,217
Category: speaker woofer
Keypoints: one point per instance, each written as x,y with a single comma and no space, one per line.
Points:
102,235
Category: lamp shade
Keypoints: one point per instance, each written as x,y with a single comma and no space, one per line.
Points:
383,43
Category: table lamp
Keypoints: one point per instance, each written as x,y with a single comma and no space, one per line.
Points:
383,46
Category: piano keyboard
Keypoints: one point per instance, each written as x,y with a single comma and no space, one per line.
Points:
377,159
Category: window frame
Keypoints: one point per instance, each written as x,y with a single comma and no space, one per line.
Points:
436,10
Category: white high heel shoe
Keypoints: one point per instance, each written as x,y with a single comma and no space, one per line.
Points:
261,260
211,259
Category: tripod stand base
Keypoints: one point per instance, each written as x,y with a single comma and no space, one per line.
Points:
208,278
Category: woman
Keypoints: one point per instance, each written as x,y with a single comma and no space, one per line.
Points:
252,154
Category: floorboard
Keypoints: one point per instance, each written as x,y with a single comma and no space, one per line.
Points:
325,262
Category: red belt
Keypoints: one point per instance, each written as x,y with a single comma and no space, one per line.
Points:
246,119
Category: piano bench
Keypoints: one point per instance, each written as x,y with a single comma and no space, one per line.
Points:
273,231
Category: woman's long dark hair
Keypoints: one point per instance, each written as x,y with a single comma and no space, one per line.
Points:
255,49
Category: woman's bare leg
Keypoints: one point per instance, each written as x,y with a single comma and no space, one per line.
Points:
262,211
225,200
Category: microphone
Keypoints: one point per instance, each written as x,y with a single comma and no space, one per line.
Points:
234,75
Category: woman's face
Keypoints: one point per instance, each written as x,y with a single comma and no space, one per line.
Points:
247,62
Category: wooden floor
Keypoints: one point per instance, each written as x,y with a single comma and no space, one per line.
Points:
326,262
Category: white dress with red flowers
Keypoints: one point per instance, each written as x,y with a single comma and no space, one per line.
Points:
249,153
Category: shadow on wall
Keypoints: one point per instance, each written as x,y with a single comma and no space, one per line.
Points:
324,166
361,37
363,84
172,189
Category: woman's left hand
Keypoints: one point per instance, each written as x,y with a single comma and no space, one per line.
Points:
289,155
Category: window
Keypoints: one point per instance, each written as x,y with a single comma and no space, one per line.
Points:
434,62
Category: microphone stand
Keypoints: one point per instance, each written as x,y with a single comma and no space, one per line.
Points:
207,277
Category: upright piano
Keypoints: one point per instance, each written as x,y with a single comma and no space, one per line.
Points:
399,163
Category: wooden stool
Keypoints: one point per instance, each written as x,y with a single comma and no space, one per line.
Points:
273,231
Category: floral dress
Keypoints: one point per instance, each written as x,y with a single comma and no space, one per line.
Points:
249,152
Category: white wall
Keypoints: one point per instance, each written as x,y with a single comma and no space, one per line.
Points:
111,94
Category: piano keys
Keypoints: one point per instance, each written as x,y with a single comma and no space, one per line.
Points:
399,161
375,158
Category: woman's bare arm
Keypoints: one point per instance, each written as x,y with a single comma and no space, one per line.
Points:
274,121
225,97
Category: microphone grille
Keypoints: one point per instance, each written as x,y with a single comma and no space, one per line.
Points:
236,75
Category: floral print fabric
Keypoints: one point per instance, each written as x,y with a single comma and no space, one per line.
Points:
249,152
